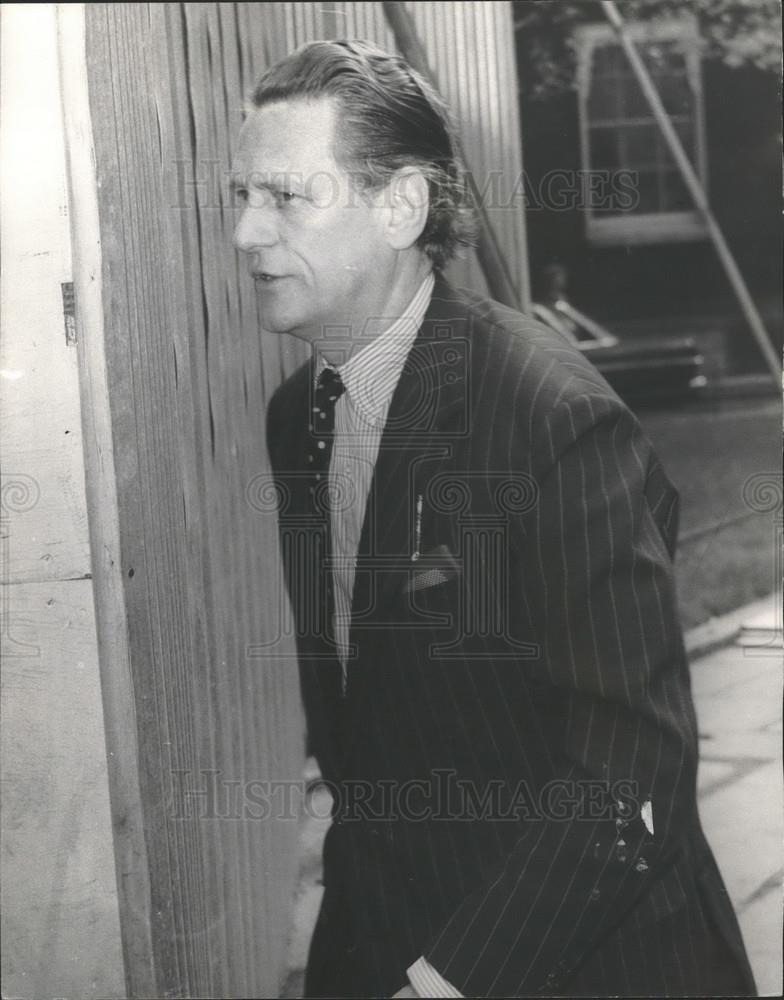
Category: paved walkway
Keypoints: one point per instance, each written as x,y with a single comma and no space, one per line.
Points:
738,694
737,683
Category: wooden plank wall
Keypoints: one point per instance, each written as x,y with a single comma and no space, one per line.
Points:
188,374
188,377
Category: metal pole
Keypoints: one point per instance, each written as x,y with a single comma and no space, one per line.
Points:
488,251
695,188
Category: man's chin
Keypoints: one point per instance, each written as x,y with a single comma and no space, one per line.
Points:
277,324
277,316
275,328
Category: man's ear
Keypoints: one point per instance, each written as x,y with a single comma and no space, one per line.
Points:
407,205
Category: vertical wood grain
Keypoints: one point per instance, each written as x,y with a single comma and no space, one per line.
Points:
137,321
189,376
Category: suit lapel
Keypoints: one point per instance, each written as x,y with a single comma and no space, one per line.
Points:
428,413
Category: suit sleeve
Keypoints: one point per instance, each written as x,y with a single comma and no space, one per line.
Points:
598,592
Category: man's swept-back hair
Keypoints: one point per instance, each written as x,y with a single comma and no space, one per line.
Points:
388,117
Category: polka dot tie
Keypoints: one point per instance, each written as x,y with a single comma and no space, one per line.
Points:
329,389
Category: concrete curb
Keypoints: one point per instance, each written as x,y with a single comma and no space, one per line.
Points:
724,629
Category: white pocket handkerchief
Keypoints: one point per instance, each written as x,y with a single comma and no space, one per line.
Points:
431,569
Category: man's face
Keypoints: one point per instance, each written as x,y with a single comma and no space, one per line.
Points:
315,249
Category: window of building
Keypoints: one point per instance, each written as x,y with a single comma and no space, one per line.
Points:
644,199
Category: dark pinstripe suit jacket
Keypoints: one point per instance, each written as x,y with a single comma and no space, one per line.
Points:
515,695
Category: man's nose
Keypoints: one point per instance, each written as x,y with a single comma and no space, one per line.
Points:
256,228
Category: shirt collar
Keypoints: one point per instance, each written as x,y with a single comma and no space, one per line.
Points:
371,375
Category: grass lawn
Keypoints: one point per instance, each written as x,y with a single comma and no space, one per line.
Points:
711,450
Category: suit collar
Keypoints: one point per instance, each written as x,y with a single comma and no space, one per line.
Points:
371,375
433,377
427,416
429,408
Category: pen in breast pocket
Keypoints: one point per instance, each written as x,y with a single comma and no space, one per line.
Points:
418,528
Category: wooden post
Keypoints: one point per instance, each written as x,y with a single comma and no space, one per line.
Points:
150,940
122,736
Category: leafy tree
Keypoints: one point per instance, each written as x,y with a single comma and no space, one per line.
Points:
737,32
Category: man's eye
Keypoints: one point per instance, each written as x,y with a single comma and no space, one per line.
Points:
286,196
241,194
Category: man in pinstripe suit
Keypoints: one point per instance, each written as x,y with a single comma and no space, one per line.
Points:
477,540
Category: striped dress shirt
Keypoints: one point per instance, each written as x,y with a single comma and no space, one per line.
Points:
370,378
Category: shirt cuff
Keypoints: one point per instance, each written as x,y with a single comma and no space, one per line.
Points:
428,983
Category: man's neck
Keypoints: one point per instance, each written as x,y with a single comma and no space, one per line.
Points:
404,286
